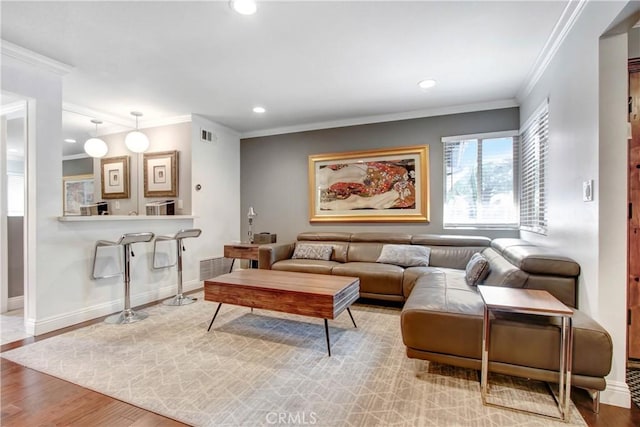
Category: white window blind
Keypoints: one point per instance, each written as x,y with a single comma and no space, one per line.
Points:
534,141
479,182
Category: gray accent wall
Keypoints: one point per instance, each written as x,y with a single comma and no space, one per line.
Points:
77,167
274,170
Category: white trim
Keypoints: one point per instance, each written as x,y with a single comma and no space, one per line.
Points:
76,156
95,114
535,115
122,121
617,394
32,58
15,303
565,23
13,107
38,327
487,135
165,121
417,114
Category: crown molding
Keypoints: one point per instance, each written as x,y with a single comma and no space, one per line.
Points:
567,20
32,58
14,107
116,122
416,114
165,121
76,156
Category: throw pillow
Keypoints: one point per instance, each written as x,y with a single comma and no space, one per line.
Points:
305,251
405,255
477,269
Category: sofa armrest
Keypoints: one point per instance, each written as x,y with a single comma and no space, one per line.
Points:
272,253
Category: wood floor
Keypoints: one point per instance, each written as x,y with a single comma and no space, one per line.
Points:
30,398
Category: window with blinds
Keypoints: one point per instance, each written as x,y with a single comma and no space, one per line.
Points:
480,181
534,141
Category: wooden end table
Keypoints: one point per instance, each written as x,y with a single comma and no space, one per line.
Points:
248,251
529,301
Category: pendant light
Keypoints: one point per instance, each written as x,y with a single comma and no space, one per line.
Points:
136,141
95,147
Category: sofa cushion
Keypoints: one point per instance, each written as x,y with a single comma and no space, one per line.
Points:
374,278
305,266
502,272
405,255
452,256
396,238
312,251
364,252
477,269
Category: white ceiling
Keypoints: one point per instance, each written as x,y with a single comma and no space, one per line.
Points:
305,62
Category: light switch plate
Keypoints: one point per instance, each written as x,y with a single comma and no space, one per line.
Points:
587,191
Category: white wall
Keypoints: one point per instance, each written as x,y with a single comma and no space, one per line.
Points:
161,138
593,233
60,292
216,167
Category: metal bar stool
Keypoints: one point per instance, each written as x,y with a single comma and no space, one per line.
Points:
179,299
126,240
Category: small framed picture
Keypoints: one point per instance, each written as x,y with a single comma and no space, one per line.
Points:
161,174
115,177
77,191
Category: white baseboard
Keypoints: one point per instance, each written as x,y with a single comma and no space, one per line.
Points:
617,394
42,326
14,303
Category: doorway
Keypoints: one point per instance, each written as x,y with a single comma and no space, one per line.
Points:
13,114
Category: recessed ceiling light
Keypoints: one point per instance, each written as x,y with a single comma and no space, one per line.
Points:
259,110
244,7
426,84
70,140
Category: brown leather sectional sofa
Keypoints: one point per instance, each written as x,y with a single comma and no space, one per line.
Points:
441,320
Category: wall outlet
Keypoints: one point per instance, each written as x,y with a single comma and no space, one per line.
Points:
179,203
587,191
117,205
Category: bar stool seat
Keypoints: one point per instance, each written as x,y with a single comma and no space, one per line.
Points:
179,299
126,240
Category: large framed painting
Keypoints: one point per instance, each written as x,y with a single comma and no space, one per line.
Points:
161,174
115,177
77,190
386,185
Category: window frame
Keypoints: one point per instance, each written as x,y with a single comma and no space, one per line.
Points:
514,135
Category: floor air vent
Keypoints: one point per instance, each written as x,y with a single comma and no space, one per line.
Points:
212,267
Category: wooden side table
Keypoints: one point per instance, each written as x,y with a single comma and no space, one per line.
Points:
529,301
248,251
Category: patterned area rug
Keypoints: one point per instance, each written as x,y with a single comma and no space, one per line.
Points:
633,381
266,368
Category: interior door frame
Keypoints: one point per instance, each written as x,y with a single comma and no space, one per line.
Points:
24,105
633,68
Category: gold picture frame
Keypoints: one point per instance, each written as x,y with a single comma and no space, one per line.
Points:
77,190
114,177
161,174
384,185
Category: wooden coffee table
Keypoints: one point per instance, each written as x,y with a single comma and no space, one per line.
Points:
314,295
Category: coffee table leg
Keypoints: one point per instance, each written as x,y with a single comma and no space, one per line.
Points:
214,316
351,315
326,331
